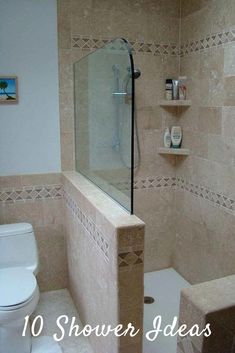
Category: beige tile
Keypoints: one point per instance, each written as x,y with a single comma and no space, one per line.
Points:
64,24
2,218
149,118
131,287
220,150
189,7
52,257
13,181
67,151
210,120
228,122
205,171
196,25
40,179
194,262
188,119
212,63
151,162
130,239
65,72
229,86
66,112
30,212
212,91
226,177
190,66
229,66
89,22
52,211
196,142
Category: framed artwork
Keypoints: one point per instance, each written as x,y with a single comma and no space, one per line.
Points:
8,90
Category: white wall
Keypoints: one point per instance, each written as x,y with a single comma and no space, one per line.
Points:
29,131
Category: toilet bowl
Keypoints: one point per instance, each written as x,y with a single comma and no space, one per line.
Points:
19,297
19,292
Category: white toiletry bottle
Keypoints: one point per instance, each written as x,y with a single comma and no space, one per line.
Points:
176,136
167,138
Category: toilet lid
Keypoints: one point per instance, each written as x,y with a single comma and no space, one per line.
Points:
17,285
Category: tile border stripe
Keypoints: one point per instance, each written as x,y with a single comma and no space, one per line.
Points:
210,41
55,191
155,182
96,236
130,258
85,42
216,198
181,183
31,193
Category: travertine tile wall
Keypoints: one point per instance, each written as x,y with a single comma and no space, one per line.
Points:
152,28
180,219
38,199
105,260
205,222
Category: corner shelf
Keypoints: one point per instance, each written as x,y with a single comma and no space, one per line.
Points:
175,103
174,151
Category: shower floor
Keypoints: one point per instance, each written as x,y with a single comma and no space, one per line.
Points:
164,286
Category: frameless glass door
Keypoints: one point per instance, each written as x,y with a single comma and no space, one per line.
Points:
104,116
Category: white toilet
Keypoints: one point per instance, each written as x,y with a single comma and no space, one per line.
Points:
19,293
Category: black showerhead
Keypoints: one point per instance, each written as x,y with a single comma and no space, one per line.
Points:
137,73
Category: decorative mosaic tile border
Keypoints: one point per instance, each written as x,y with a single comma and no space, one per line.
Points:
95,234
31,193
130,258
158,49
44,192
155,182
218,199
147,183
210,41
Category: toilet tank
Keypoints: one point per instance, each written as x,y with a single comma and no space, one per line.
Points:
18,246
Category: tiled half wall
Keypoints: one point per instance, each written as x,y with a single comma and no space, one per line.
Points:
105,262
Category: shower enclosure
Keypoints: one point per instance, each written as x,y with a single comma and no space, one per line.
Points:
104,119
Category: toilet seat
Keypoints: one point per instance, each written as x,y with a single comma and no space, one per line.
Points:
17,287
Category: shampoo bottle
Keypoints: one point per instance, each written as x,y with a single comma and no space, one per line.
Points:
167,138
176,136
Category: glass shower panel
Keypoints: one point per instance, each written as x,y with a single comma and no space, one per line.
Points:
104,113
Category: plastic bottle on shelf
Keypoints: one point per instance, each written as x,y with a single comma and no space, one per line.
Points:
167,138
